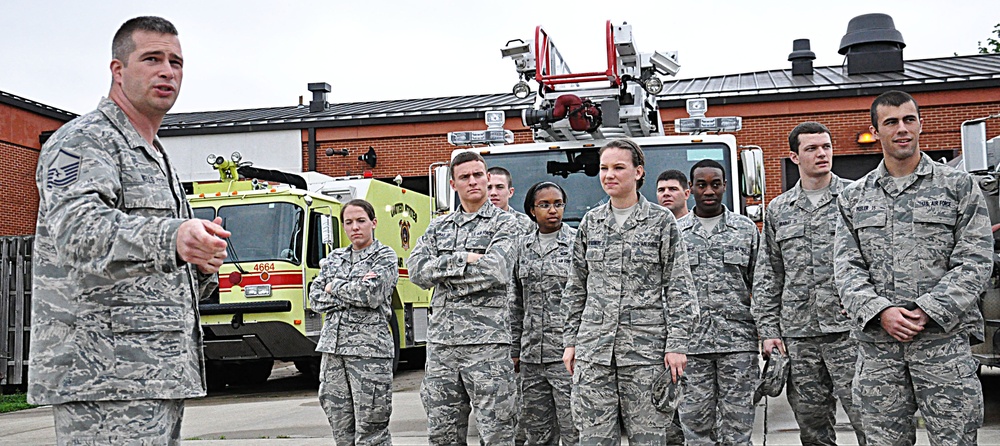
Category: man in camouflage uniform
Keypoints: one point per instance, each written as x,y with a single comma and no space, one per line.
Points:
501,188
722,356
795,303
466,257
119,264
912,255
628,307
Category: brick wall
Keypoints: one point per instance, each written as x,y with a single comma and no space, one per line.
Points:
19,147
765,125
19,207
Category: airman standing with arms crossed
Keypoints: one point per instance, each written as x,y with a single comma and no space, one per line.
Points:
466,256
912,255
796,304
120,263
628,307
722,356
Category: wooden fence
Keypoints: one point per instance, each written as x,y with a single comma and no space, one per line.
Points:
15,308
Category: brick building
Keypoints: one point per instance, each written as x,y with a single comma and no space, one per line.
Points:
408,135
24,125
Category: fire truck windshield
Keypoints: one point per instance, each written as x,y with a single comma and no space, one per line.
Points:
576,170
261,231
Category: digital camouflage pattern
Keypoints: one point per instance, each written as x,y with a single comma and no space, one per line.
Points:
139,422
356,395
795,299
114,312
546,412
468,335
460,377
794,293
609,399
469,304
358,309
524,221
355,387
627,303
822,369
722,263
718,398
539,277
536,330
927,242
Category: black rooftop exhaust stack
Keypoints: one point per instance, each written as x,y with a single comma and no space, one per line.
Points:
318,102
872,45
801,57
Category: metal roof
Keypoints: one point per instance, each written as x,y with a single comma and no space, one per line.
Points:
959,72
36,107
946,73
347,114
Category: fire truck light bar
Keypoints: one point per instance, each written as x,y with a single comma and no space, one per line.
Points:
469,138
703,125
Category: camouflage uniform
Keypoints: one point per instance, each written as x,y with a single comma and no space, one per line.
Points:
468,335
356,373
627,304
722,356
537,328
795,300
114,310
138,422
524,221
927,243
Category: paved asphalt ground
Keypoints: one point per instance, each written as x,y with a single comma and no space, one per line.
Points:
286,411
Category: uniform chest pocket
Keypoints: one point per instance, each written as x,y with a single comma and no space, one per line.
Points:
935,225
789,232
736,256
478,245
869,225
149,198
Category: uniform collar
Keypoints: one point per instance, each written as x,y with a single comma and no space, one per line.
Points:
120,121
641,213
364,253
693,222
924,168
565,238
797,194
487,210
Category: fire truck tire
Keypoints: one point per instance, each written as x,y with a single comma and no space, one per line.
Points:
394,326
248,373
309,368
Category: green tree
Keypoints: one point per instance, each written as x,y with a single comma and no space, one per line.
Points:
992,44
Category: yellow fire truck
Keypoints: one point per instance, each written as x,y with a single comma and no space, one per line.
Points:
281,227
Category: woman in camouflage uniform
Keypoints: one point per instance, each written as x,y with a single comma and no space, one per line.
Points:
537,319
354,289
629,311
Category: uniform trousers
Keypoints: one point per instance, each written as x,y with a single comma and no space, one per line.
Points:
356,394
135,422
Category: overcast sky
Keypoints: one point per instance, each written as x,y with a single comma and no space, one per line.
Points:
252,53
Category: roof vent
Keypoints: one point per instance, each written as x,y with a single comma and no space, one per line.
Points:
801,57
318,102
872,45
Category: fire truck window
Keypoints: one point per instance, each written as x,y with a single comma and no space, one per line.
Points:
264,231
316,249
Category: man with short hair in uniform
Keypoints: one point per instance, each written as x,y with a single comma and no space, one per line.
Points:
722,356
672,192
501,188
466,256
795,304
912,255
120,263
